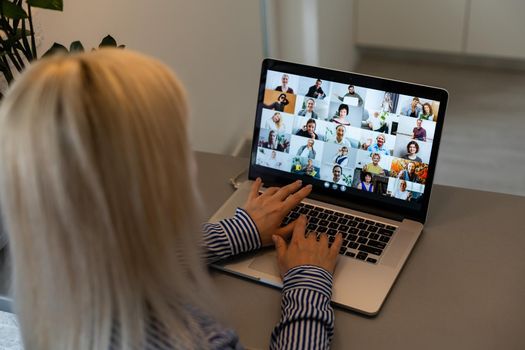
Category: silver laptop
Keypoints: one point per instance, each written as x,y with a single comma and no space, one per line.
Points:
371,164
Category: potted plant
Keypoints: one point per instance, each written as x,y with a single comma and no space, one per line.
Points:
17,36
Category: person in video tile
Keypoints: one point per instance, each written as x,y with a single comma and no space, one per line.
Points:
340,136
378,146
308,130
352,93
409,174
337,174
427,113
341,158
316,91
309,110
273,162
414,109
276,124
340,117
309,169
412,149
273,142
419,133
388,104
279,105
374,167
366,182
307,150
401,192
377,122
284,85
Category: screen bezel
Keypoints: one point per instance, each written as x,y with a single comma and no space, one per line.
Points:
352,199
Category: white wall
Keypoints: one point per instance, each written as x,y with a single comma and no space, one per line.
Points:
214,46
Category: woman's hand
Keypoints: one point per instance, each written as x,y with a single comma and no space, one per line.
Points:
306,250
268,210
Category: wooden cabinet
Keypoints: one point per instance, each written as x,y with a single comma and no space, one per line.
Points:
475,27
496,28
411,24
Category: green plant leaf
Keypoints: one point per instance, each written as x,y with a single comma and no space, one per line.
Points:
57,5
56,48
108,41
76,46
11,10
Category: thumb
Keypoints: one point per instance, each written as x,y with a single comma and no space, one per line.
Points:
280,246
286,231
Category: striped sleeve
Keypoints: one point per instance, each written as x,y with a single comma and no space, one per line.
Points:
307,318
230,237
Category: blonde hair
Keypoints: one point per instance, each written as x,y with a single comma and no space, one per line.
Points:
100,204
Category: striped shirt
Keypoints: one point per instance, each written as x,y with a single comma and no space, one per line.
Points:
307,318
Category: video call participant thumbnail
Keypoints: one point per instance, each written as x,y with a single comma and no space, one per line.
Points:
284,85
309,110
316,91
378,146
412,150
308,130
419,133
414,110
307,150
366,182
351,93
276,124
340,117
278,105
374,166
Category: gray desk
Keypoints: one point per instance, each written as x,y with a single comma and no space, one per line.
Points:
462,288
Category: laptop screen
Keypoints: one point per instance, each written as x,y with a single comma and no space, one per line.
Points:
355,138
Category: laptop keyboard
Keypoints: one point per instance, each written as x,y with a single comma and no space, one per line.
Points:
363,239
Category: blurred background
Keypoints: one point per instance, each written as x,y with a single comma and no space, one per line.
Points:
472,48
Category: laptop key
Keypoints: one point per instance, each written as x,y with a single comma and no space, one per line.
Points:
322,216
393,228
322,229
353,230
371,250
332,218
342,250
384,239
308,206
361,256
350,254
362,226
342,221
331,232
294,215
362,240
376,244
385,232
353,245
333,225
323,223
372,228
313,220
352,238
362,233
374,236
359,219
344,228
328,211
353,223
378,224
371,260
369,222
339,214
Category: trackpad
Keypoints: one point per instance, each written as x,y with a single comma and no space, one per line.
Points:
266,262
